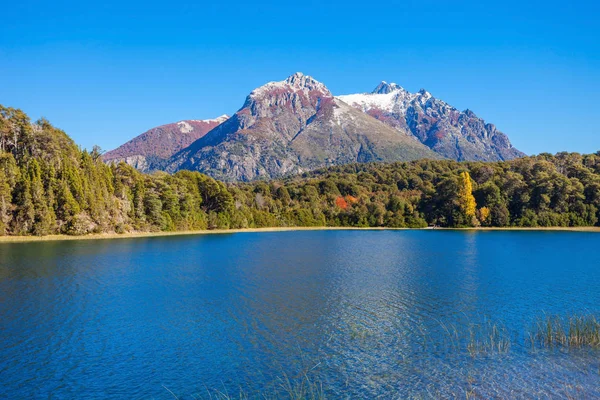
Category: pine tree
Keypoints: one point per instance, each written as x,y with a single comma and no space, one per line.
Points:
25,212
66,206
43,216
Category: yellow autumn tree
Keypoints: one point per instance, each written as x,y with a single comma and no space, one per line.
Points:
466,200
483,214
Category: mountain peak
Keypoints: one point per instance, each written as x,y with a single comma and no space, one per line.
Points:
293,83
438,125
299,80
294,77
385,88
292,126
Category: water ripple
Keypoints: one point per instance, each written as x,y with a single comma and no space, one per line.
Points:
365,314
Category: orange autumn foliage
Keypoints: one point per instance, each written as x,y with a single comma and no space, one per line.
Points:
341,203
351,199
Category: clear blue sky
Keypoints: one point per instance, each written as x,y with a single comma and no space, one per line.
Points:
107,71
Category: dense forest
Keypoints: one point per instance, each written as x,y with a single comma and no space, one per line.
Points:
49,185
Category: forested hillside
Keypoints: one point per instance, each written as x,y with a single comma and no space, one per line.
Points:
48,185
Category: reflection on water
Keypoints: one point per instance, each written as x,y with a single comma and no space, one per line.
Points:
394,314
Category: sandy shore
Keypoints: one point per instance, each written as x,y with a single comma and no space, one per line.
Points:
105,236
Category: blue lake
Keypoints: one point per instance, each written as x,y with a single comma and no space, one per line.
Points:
356,314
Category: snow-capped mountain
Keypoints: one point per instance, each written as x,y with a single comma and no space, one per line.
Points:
441,127
297,124
293,126
157,144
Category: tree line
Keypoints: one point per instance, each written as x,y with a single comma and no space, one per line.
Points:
48,185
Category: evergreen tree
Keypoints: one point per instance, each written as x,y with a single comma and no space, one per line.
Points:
44,219
67,207
24,209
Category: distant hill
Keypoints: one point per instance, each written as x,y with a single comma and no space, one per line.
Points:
160,143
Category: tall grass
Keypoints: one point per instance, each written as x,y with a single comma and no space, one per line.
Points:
286,388
488,337
485,338
575,331
477,339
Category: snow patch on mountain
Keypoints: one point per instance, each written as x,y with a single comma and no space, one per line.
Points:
389,97
366,101
219,120
185,127
342,113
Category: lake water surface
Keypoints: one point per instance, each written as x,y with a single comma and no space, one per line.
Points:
360,314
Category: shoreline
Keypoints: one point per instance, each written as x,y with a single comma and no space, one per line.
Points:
133,235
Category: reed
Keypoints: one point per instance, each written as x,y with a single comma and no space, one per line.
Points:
286,388
485,338
305,389
488,337
482,338
577,331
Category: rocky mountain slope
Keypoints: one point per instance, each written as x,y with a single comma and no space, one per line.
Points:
441,127
152,147
290,127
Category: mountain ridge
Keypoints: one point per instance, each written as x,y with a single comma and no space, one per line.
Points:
293,126
159,143
459,135
297,124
